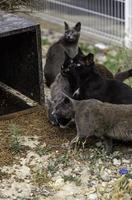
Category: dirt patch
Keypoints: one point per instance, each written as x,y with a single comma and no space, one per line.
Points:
41,167
35,123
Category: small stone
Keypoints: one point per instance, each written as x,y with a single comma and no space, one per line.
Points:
116,162
93,182
100,161
98,144
23,172
45,193
68,172
32,195
101,189
93,196
77,170
59,182
19,190
105,176
126,161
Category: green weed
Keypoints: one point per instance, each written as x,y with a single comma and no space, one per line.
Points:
72,178
41,177
45,41
43,150
15,145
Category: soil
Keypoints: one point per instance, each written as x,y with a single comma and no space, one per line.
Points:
34,123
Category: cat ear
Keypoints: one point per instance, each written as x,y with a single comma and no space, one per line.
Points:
78,26
66,26
90,58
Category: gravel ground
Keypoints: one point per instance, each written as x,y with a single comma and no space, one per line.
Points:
36,163
40,172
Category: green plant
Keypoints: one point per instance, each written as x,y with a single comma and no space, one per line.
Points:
42,150
72,178
54,166
120,58
64,159
41,177
15,145
122,188
45,41
86,48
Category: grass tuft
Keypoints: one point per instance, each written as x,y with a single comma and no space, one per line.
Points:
15,145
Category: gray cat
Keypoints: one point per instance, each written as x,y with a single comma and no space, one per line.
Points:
55,58
103,120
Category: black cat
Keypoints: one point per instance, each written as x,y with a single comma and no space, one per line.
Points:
76,69
96,86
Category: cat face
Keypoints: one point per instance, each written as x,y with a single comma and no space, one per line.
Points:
80,63
71,63
72,35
